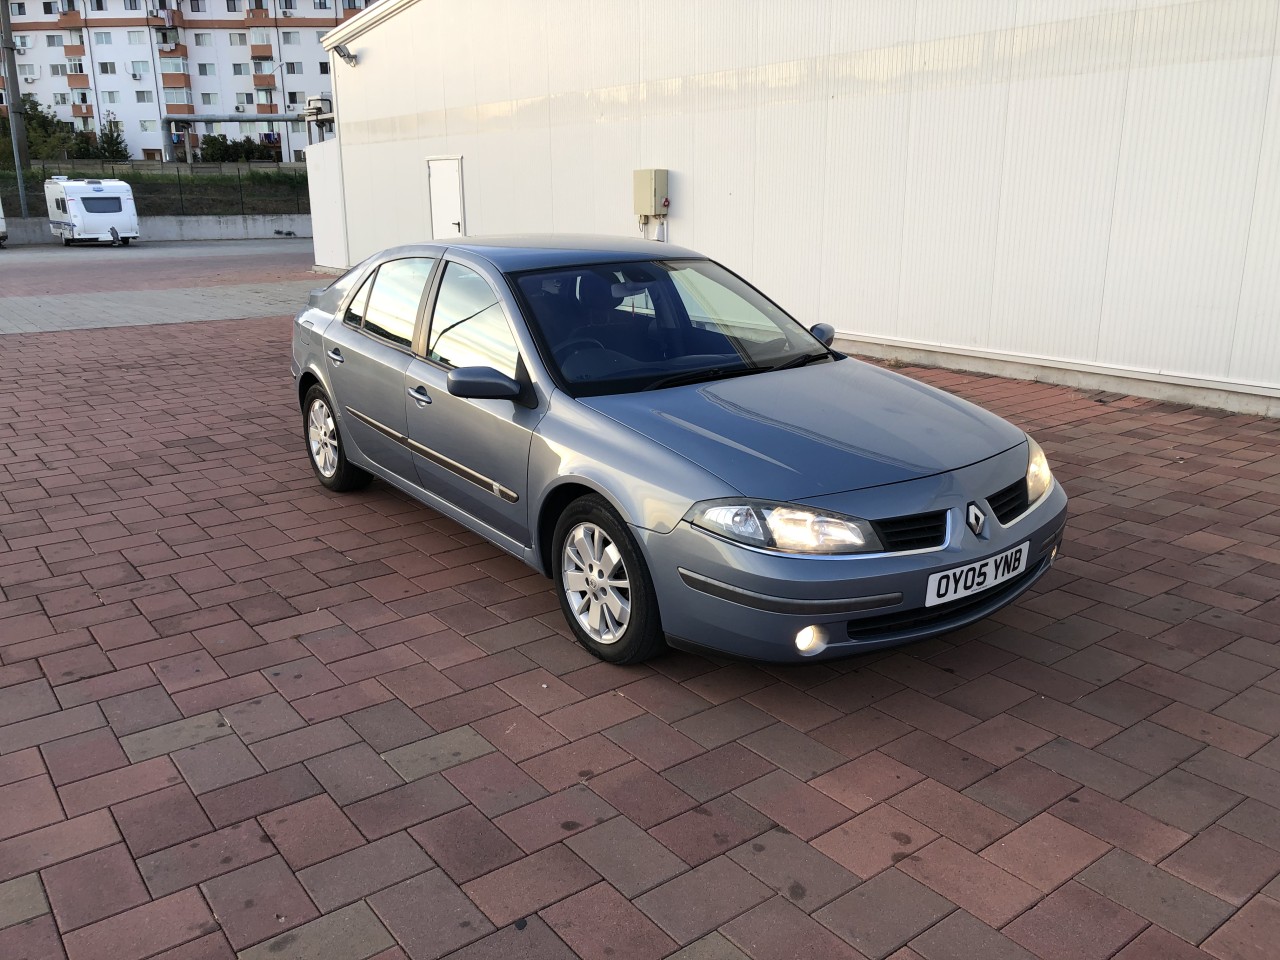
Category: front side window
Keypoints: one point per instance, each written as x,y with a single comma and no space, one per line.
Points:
392,308
468,326
619,328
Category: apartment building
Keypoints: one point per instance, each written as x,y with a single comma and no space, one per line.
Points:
145,60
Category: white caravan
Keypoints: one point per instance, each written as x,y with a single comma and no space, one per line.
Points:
91,210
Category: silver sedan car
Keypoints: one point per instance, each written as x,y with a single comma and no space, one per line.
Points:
688,463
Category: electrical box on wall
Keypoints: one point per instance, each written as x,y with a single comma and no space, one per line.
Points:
650,188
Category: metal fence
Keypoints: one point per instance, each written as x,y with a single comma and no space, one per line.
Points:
209,189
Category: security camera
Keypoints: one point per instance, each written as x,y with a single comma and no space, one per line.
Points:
345,53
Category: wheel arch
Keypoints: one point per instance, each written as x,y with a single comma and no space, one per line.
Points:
554,503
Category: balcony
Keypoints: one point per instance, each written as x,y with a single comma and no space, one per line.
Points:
175,109
172,49
70,19
256,15
82,109
73,49
268,108
78,81
260,51
164,18
175,80
264,81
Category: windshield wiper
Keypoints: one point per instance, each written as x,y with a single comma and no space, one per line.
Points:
700,376
800,361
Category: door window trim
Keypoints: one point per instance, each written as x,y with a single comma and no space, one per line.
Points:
428,316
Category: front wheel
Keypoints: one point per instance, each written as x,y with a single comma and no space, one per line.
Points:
324,445
606,593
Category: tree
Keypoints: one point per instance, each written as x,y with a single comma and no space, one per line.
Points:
48,138
111,142
216,148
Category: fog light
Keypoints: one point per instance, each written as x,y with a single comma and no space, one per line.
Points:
810,640
1053,555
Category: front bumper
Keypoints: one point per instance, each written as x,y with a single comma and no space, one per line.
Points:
720,596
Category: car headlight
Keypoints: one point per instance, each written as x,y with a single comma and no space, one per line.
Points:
1039,477
784,527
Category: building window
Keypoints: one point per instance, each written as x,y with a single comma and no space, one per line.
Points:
248,129
49,8
21,41
116,125
211,127
111,96
53,39
293,68
290,37
264,96
264,66
140,67
166,36
173,65
206,69
99,5
147,126
299,156
101,38
296,98
240,69
320,4
106,66
288,5
132,4
55,69
177,95
239,39
260,35
233,6
244,99
144,96
29,69
137,38
324,68
61,99
298,126
204,39
208,99
75,65
18,9
197,6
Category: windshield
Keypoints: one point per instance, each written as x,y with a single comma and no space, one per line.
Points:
624,327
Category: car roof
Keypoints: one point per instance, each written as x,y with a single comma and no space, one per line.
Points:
534,251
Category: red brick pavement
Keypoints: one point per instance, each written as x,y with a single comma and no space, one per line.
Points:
239,713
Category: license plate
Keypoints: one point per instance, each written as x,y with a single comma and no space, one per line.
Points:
975,577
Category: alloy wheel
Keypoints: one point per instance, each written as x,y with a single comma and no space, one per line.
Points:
322,438
595,583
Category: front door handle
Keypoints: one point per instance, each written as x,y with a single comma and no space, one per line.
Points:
335,355
419,394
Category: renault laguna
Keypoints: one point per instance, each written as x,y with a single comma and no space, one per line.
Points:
688,463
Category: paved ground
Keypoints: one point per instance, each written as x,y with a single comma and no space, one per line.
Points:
239,713
66,288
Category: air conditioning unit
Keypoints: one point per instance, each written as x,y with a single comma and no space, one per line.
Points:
30,79
239,108
136,76
20,51
286,13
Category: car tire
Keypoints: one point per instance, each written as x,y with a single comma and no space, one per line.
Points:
599,572
325,450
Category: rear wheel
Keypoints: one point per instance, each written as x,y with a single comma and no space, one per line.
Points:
606,593
324,445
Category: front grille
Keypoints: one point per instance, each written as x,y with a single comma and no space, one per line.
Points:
918,618
918,532
1009,502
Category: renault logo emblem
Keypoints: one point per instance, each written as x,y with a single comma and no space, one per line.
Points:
976,519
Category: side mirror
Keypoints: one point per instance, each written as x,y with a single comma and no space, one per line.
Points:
825,333
482,383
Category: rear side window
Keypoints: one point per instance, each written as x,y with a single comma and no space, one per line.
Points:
392,309
101,204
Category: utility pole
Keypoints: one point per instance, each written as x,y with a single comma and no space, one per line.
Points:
17,127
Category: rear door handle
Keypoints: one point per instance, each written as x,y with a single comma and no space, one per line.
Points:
335,355
419,394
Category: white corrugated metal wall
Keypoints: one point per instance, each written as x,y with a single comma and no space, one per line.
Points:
1090,183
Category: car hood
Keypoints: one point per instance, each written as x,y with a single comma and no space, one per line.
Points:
813,431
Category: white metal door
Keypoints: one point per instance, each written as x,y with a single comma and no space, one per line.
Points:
448,218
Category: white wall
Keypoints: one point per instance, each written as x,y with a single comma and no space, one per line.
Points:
1088,183
328,218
